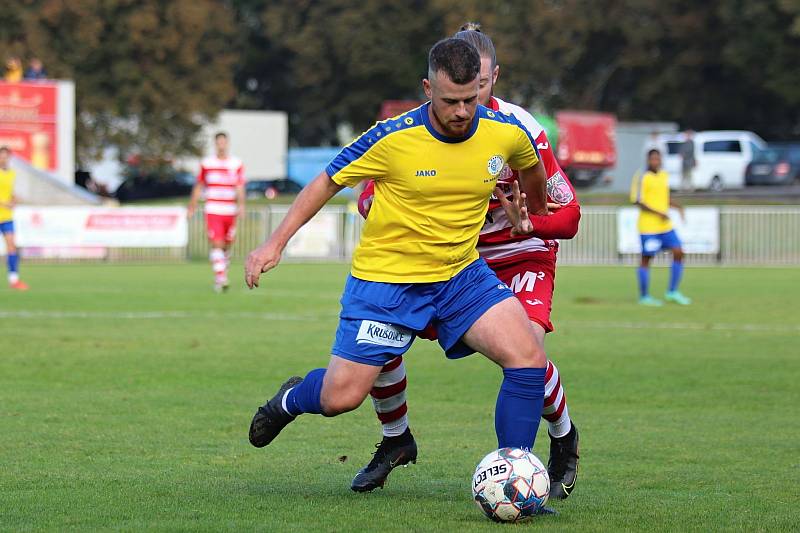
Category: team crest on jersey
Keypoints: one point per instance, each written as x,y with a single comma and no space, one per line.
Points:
496,164
558,189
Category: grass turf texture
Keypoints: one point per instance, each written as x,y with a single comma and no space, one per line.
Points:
115,418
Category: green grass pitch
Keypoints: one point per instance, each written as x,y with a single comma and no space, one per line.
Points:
126,393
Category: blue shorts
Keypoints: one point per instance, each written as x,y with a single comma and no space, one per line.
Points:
379,321
653,243
7,227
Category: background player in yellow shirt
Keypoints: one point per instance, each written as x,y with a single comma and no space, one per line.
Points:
435,168
7,202
650,191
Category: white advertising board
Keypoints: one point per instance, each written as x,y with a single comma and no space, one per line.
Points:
92,227
699,232
319,238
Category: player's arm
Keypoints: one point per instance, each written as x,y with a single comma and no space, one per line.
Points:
529,194
565,211
306,205
637,197
561,223
532,177
11,203
644,207
533,182
240,200
679,207
197,190
240,191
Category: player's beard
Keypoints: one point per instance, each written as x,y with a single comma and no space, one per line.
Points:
453,128
458,129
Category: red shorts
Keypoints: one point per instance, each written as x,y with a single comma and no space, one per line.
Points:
532,279
221,227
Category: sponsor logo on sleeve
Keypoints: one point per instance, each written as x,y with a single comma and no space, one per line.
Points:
383,334
558,189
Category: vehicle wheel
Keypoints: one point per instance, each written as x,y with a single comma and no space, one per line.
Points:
716,184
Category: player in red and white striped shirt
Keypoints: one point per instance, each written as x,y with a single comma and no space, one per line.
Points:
527,265
222,179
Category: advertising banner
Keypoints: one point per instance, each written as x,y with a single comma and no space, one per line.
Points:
319,238
28,122
90,228
699,233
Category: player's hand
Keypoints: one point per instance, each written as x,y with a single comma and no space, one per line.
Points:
516,210
553,206
190,211
262,259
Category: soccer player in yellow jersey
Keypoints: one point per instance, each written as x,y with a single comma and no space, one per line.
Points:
7,202
435,168
650,191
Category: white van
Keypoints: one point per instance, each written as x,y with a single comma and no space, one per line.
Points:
721,158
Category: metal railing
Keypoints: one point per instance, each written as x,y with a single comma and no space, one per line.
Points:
749,235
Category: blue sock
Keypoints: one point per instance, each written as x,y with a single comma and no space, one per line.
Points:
519,407
643,273
13,263
675,274
305,397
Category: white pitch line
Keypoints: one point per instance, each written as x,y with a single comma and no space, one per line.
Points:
694,326
158,315
295,317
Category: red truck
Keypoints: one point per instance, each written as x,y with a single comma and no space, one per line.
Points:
586,145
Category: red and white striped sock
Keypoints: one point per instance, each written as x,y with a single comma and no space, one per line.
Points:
219,265
389,398
555,403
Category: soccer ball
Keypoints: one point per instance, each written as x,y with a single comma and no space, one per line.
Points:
510,484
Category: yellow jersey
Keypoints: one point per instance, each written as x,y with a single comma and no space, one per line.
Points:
7,177
652,189
431,191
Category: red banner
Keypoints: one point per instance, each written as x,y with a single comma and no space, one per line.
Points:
28,122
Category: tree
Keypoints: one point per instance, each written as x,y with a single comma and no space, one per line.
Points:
334,61
147,73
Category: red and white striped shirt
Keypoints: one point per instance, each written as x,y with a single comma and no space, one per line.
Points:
495,242
221,177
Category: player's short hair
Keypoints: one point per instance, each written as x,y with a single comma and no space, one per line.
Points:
220,134
5,149
652,152
471,32
457,58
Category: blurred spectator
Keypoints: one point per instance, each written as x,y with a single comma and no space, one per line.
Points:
13,70
687,161
35,70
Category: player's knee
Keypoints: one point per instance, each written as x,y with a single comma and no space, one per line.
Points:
533,357
528,355
339,402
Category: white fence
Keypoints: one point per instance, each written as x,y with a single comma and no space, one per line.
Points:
749,235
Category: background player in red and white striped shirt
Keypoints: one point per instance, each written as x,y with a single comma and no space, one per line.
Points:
222,179
527,265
